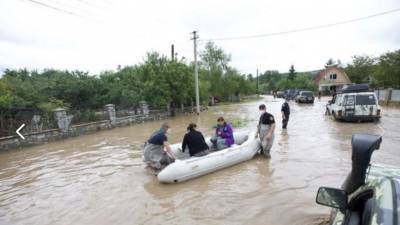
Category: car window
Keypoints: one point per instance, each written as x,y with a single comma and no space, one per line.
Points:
307,94
365,100
349,100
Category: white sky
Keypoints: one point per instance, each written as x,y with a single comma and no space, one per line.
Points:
120,32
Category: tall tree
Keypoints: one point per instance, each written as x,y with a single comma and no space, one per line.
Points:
215,61
387,72
361,69
292,73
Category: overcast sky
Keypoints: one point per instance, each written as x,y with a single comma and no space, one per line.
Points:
107,33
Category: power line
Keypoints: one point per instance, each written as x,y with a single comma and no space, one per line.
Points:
306,28
55,8
90,4
88,12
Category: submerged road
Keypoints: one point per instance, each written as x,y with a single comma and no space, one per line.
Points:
100,178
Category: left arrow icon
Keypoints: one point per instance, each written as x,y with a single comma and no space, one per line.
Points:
19,129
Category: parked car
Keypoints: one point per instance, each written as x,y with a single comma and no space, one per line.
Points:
305,97
370,194
354,103
280,94
290,94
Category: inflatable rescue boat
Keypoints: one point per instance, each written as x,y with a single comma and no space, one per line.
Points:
186,168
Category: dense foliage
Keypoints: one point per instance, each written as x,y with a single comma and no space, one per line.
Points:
275,81
382,71
157,80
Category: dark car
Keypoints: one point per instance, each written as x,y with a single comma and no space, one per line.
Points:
280,94
305,97
290,94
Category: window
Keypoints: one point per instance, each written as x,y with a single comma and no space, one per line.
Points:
307,93
349,100
332,76
365,100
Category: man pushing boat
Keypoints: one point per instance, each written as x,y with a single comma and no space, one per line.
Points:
157,151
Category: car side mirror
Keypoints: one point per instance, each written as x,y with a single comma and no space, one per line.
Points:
332,197
329,102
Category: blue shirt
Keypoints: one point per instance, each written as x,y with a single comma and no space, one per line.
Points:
158,139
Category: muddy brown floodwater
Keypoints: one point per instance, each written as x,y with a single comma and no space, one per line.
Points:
100,178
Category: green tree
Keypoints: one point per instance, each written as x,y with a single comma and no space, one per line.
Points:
361,69
387,71
292,73
215,61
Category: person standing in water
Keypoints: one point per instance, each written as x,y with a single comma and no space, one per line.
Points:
285,113
265,130
157,151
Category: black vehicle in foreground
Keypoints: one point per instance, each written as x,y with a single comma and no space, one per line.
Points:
370,195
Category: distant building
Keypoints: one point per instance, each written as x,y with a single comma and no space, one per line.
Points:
331,78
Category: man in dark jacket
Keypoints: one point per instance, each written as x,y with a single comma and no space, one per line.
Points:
195,141
285,114
157,151
265,130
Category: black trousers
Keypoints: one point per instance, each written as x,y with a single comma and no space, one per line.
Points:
285,122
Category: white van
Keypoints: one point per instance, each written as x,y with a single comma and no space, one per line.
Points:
355,104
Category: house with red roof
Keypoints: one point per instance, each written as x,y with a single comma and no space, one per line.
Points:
332,78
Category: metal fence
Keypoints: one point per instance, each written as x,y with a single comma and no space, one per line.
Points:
395,95
383,95
34,121
37,121
380,94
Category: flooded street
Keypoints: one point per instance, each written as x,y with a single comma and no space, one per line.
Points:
100,178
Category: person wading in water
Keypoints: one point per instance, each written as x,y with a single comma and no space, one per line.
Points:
157,150
285,113
265,130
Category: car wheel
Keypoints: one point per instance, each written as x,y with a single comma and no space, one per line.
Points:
334,115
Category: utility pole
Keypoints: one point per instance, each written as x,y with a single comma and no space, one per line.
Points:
257,82
196,72
172,52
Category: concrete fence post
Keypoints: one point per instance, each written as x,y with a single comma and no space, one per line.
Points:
35,123
169,108
110,111
63,121
144,108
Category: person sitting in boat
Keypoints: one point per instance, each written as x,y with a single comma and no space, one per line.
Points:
157,151
223,137
195,142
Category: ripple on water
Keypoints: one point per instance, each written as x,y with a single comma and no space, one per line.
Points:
101,179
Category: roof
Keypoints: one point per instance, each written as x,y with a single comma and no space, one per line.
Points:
323,72
320,75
